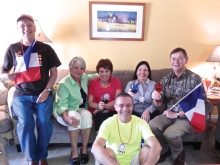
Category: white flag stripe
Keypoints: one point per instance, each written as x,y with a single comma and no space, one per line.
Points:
20,67
199,108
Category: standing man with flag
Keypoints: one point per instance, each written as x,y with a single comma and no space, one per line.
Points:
173,124
35,71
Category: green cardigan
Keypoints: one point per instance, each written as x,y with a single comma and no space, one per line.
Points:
68,96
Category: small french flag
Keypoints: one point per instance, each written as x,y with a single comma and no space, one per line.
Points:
28,65
194,108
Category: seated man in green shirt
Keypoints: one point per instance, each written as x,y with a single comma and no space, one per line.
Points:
122,134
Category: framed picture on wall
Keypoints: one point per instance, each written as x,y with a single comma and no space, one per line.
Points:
116,20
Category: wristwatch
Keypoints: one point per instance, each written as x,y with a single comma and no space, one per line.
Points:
178,115
48,89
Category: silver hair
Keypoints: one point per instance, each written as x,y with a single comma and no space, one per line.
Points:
79,60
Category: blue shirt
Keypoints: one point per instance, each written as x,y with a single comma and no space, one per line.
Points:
145,91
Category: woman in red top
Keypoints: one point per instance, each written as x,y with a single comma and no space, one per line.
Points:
102,92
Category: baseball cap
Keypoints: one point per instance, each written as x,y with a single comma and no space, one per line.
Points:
25,16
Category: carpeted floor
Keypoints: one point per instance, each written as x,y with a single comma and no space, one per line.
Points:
61,155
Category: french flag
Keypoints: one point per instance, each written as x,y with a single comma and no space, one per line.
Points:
28,65
194,108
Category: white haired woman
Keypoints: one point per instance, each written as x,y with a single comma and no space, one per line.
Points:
71,107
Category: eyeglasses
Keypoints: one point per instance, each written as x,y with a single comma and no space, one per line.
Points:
175,59
122,105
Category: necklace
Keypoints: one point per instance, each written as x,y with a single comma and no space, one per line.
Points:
122,146
142,98
104,85
22,48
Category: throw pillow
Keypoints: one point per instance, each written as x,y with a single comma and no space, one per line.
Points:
3,94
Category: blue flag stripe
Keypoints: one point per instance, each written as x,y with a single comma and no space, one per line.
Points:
191,100
27,54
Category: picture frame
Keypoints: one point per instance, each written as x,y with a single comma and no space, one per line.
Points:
116,21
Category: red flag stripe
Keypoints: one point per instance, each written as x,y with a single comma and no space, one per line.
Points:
198,122
32,74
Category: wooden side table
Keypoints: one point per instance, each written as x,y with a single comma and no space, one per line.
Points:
213,99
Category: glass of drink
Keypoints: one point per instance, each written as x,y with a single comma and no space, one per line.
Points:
158,87
134,88
207,83
105,98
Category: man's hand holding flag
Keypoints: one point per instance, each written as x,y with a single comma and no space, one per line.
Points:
194,108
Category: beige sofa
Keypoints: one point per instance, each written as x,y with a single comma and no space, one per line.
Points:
7,124
60,133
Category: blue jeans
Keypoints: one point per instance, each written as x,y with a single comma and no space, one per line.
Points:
34,148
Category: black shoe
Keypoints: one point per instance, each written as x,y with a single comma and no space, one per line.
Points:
75,161
217,145
164,156
84,158
180,160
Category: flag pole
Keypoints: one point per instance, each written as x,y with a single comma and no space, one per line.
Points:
185,96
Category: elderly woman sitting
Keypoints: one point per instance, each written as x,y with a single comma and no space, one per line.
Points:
71,107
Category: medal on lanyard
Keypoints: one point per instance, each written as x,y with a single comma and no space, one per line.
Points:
142,98
122,146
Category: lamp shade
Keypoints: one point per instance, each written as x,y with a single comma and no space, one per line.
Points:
215,56
40,36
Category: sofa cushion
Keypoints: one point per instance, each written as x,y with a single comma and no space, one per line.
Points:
123,75
3,94
158,74
6,125
61,73
4,114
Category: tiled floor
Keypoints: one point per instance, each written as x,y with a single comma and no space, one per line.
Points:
57,156
61,155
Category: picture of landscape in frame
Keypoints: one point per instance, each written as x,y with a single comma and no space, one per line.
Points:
116,21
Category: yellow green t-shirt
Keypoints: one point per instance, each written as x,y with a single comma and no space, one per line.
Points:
109,131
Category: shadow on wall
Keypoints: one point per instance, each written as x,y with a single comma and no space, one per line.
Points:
64,33
147,20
